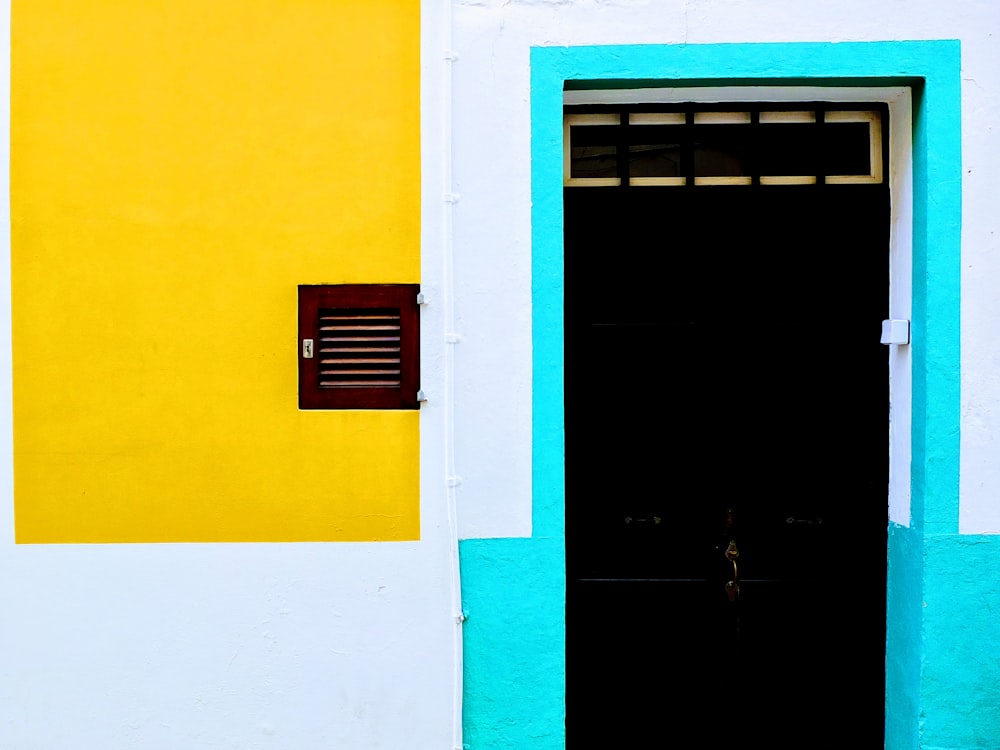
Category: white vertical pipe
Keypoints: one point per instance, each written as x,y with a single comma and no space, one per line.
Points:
449,198
437,421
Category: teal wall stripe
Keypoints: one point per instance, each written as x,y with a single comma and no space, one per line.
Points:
514,589
918,404
939,287
547,304
960,698
514,662
904,605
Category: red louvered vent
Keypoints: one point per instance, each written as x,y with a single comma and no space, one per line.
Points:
359,348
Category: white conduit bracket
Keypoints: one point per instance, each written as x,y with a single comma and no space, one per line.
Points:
896,332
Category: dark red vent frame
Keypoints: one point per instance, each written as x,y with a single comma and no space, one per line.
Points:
362,355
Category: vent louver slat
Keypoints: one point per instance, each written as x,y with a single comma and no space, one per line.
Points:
359,348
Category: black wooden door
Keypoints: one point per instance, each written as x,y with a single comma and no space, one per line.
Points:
725,383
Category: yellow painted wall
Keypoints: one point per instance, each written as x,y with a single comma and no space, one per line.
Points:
177,169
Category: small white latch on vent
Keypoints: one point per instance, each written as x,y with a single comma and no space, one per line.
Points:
895,332
307,348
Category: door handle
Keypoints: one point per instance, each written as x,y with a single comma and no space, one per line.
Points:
655,520
733,586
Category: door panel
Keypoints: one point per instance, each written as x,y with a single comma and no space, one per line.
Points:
725,381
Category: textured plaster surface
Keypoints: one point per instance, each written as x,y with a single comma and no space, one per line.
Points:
514,662
269,646
211,646
181,176
961,665
247,647
904,607
935,251
492,225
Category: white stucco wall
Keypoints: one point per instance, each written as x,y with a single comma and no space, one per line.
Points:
353,645
241,646
223,646
492,222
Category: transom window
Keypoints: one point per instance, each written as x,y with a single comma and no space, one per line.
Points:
738,145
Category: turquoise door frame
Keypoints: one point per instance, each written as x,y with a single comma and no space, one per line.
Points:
514,589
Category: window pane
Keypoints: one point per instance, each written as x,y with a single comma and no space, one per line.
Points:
654,151
789,149
592,151
848,148
721,151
